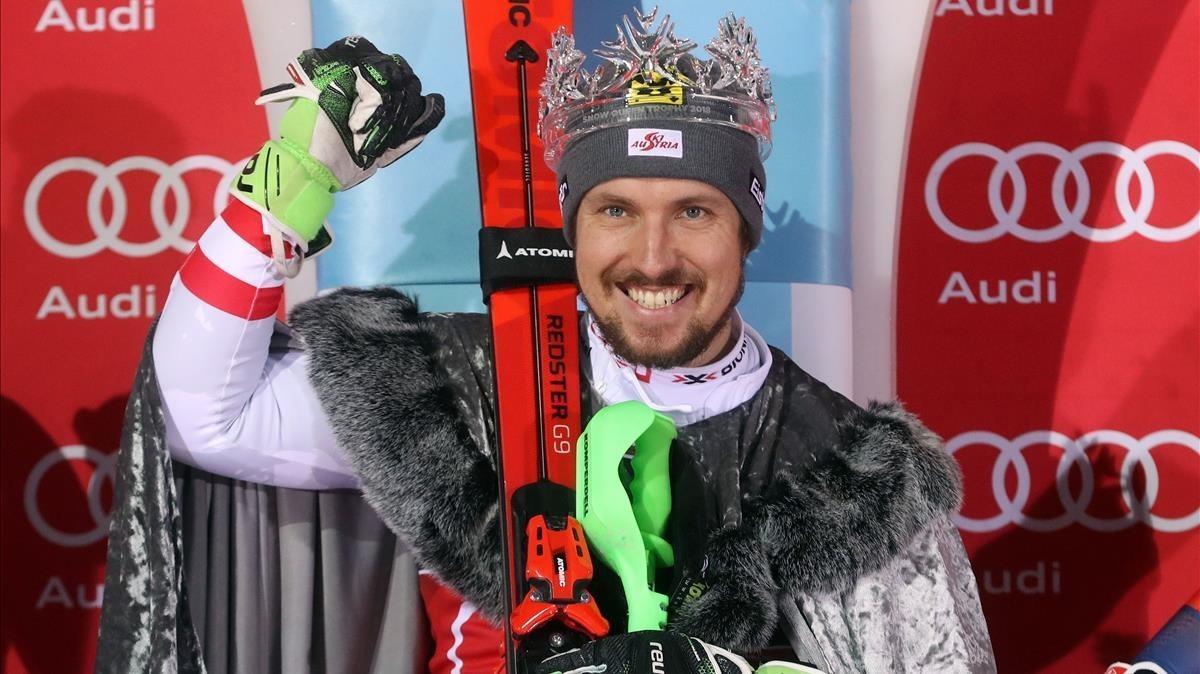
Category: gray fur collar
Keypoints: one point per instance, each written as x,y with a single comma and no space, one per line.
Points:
375,368
849,515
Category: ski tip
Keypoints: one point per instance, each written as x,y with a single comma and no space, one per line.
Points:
521,51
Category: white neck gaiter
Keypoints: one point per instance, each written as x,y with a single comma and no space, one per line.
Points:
686,394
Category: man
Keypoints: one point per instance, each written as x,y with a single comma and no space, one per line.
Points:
795,510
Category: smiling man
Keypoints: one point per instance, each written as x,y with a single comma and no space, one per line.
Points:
660,264
797,513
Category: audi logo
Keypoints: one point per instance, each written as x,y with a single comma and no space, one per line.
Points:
104,467
106,232
1070,216
1137,452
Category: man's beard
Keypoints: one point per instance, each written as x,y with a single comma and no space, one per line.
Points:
697,336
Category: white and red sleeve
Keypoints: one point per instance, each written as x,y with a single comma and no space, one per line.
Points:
233,406
464,642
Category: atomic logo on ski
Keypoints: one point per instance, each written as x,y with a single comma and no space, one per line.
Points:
533,252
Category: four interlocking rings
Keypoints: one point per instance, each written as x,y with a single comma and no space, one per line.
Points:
1138,452
107,232
1070,163
104,467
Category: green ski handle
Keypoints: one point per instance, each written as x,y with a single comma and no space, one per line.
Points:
614,525
650,489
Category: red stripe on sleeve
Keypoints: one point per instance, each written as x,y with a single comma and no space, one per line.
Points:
441,607
466,641
219,289
247,223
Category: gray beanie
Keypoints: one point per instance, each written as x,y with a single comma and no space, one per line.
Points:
719,155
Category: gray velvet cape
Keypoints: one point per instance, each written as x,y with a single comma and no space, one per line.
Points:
819,519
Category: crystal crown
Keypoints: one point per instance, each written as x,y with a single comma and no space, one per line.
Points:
647,73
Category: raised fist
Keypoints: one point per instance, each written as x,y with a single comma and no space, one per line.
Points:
354,108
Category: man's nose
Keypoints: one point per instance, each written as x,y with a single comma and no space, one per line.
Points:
653,251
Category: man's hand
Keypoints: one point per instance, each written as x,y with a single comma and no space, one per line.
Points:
646,653
658,653
353,110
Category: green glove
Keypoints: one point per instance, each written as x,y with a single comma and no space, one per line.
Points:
354,109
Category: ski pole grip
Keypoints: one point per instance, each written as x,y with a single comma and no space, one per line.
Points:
650,489
610,521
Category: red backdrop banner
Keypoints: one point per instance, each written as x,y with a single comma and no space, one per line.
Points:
1047,313
119,120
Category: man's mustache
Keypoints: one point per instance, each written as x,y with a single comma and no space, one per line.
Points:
673,277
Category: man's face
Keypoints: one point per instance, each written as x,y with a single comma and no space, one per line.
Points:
660,265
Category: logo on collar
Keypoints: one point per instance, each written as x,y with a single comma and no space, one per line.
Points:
705,377
693,378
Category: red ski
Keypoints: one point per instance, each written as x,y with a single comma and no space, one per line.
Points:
527,273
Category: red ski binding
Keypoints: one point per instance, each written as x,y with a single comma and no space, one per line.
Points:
558,569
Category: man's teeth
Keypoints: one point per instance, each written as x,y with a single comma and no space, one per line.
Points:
655,299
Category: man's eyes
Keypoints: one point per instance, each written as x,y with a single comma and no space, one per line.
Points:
689,213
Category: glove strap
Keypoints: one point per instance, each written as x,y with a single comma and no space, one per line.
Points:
285,181
778,667
288,266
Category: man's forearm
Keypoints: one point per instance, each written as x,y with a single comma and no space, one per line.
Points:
233,407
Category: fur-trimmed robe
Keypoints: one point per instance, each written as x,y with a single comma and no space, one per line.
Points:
829,517
812,515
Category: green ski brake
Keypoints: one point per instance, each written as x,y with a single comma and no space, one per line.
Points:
626,529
